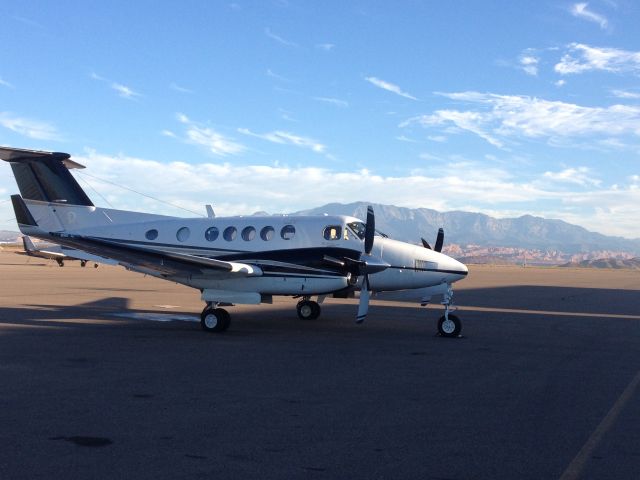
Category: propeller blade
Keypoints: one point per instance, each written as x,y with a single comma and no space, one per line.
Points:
369,231
439,240
363,306
425,244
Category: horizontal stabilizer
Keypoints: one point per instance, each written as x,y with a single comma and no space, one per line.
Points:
45,177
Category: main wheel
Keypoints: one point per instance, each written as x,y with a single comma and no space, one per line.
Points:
83,263
450,327
308,310
60,263
215,319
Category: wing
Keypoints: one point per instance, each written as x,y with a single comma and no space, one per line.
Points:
165,263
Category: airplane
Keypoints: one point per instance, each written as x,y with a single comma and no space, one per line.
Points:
233,260
60,253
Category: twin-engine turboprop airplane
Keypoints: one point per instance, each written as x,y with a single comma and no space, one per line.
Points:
60,253
244,260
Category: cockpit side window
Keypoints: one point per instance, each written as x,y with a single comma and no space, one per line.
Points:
358,228
332,232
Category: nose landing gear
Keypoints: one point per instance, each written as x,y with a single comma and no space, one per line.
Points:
449,325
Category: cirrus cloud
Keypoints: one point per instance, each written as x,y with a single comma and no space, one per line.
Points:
497,117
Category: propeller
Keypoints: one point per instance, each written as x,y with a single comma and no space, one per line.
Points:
365,265
365,293
439,241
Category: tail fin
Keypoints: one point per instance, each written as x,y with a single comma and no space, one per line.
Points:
45,176
28,244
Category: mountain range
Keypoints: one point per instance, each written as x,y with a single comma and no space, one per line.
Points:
476,229
479,238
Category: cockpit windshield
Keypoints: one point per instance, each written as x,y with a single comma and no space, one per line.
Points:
358,228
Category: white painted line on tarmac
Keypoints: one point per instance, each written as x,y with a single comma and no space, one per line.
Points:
575,468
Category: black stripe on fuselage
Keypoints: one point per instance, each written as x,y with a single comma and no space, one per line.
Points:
290,258
438,270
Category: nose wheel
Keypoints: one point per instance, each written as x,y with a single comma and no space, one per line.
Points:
449,325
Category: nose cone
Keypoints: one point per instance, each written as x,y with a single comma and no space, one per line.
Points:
455,269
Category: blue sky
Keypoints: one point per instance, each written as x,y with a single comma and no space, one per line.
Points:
505,108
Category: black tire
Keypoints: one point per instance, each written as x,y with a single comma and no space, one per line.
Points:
308,310
450,329
214,320
60,263
95,265
226,319
83,263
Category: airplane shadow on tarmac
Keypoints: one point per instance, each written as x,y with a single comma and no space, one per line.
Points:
526,302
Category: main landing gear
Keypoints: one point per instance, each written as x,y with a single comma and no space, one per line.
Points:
308,309
449,325
214,319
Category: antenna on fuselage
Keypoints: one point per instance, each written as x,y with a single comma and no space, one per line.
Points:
210,212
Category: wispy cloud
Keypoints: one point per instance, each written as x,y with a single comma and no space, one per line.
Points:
583,58
575,175
178,88
288,138
272,74
4,83
124,91
626,94
28,127
499,117
279,39
327,47
580,10
529,64
333,101
197,134
390,87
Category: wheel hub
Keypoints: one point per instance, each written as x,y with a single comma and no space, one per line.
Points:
211,320
448,326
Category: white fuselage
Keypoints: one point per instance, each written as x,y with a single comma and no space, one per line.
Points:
289,250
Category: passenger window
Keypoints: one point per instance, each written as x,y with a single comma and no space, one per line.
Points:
211,234
267,233
332,232
151,234
288,232
230,233
248,234
183,234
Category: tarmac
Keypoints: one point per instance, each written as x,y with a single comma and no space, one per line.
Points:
106,373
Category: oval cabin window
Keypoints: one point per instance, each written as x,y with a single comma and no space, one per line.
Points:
267,233
248,234
288,232
211,234
183,234
230,233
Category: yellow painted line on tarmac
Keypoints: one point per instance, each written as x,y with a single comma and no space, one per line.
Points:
576,467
